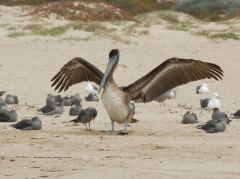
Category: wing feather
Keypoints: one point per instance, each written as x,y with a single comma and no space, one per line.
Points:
75,71
171,73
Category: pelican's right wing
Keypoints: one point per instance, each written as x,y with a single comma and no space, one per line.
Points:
76,71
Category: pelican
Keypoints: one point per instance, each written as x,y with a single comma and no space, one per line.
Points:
171,73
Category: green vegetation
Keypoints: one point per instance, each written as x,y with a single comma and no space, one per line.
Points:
212,10
16,34
211,34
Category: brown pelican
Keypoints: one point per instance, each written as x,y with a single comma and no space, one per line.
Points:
170,74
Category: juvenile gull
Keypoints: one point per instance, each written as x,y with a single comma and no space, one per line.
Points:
203,88
8,116
214,126
3,105
189,118
51,100
2,93
163,97
204,103
47,108
236,114
220,115
86,116
11,99
75,110
76,99
29,124
57,109
217,123
67,101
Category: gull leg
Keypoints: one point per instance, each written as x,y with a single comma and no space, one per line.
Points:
89,126
86,126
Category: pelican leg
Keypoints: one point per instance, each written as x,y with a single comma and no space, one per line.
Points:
112,130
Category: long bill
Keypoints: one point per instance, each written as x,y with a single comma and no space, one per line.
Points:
110,67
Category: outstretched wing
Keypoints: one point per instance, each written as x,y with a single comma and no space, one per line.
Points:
171,73
76,71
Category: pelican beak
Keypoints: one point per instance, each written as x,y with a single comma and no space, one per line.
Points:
110,67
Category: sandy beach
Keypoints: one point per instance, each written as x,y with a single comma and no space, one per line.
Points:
158,146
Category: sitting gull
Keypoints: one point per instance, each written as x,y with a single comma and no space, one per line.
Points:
203,88
217,123
214,102
189,118
29,124
8,116
11,99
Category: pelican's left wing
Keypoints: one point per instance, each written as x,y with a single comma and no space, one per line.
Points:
75,71
171,73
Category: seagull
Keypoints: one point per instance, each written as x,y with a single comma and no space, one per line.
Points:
47,108
189,118
8,116
214,102
217,115
204,103
172,94
236,114
76,99
29,124
75,110
11,99
203,88
2,93
217,123
57,109
86,116
171,73
92,97
67,101
3,106
91,89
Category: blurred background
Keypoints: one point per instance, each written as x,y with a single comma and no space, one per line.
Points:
108,18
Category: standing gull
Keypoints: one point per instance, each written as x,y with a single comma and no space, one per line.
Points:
171,73
85,117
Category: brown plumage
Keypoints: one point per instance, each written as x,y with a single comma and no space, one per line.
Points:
171,73
76,71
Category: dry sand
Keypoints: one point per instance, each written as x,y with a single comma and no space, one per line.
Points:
159,146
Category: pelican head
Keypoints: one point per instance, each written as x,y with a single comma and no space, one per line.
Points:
112,64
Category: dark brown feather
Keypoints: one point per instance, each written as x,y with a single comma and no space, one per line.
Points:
171,73
76,71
